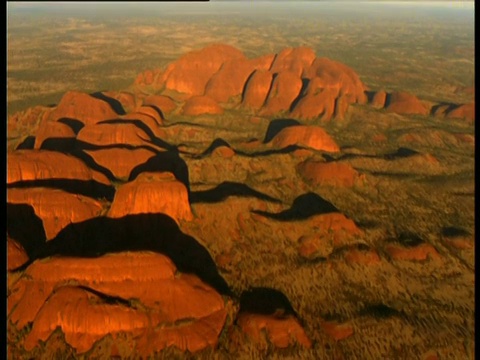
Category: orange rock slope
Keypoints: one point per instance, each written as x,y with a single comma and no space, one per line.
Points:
177,309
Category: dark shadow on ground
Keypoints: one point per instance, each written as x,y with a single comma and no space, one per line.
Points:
25,227
379,311
90,188
27,144
226,189
453,231
303,207
215,144
73,147
265,301
409,239
276,126
402,152
286,150
164,161
388,100
141,232
114,103
370,95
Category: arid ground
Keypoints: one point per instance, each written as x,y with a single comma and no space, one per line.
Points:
217,181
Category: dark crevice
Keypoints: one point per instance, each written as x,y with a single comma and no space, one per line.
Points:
114,103
74,124
301,94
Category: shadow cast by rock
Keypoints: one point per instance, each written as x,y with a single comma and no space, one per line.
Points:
276,126
303,207
225,190
141,232
25,227
114,103
265,301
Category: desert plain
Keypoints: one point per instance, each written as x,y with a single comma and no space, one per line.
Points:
213,180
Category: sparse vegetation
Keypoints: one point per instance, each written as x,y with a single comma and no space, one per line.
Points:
423,194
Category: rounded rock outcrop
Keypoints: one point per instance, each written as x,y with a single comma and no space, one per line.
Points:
313,137
199,105
152,193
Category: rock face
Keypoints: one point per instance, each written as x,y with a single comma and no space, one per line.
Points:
191,73
152,193
378,99
181,310
284,90
296,60
256,89
293,81
83,107
28,165
164,103
230,79
466,111
313,137
198,105
405,103
52,130
332,173
121,161
114,134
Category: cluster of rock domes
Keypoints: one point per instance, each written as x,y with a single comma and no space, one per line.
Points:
99,163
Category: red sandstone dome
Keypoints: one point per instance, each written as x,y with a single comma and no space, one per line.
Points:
230,80
199,105
466,111
312,106
405,103
338,76
296,60
192,71
313,137
257,88
52,130
114,134
332,173
55,207
27,165
286,87
162,102
128,100
152,193
83,107
180,310
378,99
120,161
